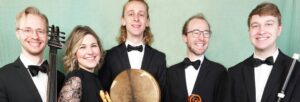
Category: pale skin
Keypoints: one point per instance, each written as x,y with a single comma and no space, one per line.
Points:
88,56
33,44
196,46
135,19
263,32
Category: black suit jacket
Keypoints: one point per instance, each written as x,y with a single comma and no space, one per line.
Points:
209,83
241,84
116,61
16,84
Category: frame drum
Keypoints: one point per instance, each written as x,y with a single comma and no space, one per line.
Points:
134,85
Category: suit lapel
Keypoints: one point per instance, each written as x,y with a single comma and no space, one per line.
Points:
204,70
147,57
248,72
124,56
180,72
276,76
26,79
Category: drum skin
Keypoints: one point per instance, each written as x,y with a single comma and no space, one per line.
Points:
135,85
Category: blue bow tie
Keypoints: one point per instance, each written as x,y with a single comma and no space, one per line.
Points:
33,69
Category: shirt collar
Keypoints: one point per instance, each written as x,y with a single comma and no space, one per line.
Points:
27,61
274,55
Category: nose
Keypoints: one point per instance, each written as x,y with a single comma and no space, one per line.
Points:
34,34
89,50
136,18
261,30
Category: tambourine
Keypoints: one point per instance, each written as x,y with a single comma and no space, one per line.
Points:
134,85
194,98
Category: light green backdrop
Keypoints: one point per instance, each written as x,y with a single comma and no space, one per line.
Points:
229,43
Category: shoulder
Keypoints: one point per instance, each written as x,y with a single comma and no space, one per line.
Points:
238,67
8,69
75,73
176,66
155,51
214,65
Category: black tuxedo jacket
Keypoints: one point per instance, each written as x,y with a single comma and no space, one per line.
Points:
16,84
116,61
209,83
241,84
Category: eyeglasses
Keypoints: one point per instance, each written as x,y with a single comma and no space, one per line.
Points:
196,33
28,31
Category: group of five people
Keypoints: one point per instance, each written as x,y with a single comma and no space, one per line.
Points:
196,74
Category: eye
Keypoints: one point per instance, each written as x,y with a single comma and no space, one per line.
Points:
254,26
82,47
39,31
206,33
269,24
27,30
130,13
95,45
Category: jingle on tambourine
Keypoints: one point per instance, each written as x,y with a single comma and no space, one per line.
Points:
194,98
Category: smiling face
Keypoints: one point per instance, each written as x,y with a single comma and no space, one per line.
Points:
135,18
88,53
263,32
32,33
197,45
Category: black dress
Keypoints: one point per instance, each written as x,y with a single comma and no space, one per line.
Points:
90,85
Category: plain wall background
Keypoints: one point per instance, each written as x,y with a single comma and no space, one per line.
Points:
229,43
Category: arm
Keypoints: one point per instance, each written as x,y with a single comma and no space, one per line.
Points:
71,91
3,96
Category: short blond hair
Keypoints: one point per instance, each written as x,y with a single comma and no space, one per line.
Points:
31,10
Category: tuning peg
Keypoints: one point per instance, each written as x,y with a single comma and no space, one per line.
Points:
62,33
62,37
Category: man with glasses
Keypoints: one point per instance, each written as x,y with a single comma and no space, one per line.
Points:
25,80
195,74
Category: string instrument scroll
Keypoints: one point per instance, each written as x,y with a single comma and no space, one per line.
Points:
54,43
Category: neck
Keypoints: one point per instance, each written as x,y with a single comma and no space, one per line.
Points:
36,59
265,53
135,39
192,56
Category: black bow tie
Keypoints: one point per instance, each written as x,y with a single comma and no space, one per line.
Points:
138,48
33,69
268,61
188,62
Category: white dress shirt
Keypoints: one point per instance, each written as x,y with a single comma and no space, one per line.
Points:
262,74
135,57
40,80
191,75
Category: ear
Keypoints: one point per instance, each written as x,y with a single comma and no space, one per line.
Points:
147,23
123,21
184,38
18,34
279,30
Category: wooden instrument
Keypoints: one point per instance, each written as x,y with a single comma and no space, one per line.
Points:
194,98
134,85
54,43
